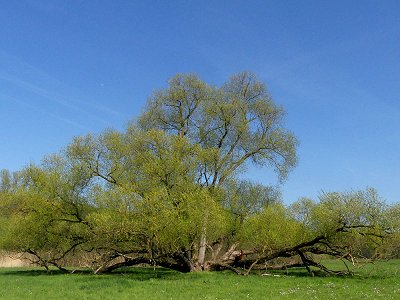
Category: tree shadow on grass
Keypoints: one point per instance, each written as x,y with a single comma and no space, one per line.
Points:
134,273
29,272
149,273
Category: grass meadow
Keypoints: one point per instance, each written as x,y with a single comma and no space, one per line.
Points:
374,281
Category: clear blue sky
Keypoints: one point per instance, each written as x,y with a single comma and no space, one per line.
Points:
69,68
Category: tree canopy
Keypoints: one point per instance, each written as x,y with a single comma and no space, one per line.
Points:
167,191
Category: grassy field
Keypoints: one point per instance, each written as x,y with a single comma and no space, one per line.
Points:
377,281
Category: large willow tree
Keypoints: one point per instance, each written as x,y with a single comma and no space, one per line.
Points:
233,125
166,191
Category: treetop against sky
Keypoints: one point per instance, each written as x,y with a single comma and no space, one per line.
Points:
77,67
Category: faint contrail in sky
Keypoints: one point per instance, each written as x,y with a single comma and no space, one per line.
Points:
53,115
29,78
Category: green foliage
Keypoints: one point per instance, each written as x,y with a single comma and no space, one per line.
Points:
234,124
166,190
363,208
272,229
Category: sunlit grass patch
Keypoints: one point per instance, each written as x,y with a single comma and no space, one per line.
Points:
373,281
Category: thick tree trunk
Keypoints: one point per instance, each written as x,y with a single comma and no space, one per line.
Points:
202,249
203,244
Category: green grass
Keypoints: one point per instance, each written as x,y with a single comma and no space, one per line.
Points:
377,281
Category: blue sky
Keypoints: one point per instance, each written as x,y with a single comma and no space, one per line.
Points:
69,68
